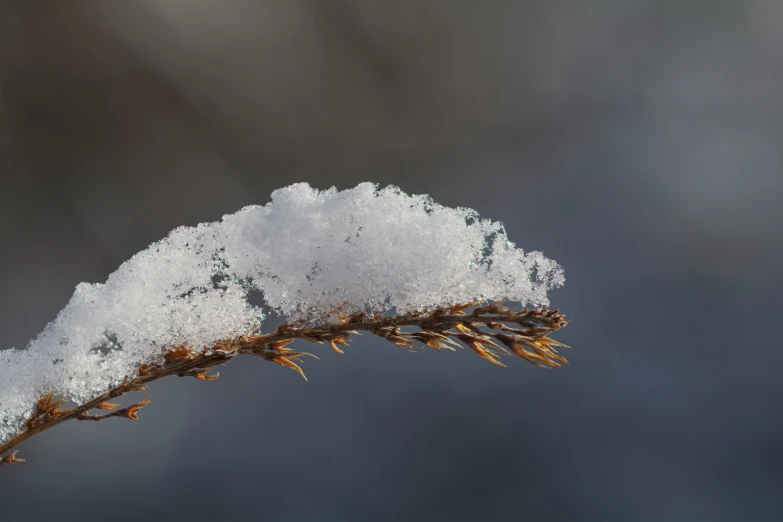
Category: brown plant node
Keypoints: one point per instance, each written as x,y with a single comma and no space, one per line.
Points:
11,459
491,331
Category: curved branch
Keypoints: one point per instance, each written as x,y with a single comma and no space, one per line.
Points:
487,330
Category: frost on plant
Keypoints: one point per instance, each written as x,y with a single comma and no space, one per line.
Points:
314,255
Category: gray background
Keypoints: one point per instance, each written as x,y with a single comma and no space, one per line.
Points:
636,142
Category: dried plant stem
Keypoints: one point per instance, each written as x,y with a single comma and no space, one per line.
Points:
491,331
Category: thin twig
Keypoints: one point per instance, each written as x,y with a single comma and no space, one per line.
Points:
486,330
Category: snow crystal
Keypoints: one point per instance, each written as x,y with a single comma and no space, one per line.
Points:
313,254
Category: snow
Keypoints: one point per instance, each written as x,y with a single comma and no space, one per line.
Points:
314,255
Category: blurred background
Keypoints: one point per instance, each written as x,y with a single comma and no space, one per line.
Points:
638,142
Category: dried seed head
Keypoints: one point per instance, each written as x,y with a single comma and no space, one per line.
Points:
132,411
179,353
202,375
11,459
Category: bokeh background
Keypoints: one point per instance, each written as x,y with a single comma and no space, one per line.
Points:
637,142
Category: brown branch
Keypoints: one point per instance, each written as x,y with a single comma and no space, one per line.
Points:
130,412
491,331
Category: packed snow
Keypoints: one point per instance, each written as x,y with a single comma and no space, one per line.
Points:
314,255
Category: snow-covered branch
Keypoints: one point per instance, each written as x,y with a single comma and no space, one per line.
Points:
331,262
